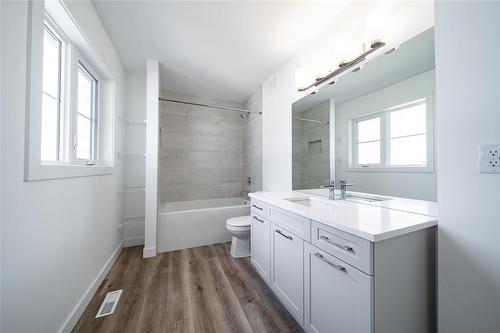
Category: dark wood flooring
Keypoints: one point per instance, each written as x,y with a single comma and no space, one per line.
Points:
201,289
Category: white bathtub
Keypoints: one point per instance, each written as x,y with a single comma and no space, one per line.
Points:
188,224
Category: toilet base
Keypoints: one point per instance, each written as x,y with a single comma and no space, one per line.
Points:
240,247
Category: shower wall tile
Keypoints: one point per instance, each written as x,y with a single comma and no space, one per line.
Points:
252,145
201,151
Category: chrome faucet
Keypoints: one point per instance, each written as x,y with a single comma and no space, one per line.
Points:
343,189
331,189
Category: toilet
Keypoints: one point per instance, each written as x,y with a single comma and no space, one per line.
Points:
239,228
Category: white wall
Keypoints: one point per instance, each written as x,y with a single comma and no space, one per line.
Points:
468,105
57,235
415,185
404,20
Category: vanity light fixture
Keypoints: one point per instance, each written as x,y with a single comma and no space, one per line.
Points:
344,66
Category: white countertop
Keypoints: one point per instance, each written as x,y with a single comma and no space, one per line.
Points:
374,221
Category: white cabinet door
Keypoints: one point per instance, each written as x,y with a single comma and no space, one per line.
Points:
261,246
338,297
287,274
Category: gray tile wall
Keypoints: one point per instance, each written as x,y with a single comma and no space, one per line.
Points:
311,167
252,145
201,151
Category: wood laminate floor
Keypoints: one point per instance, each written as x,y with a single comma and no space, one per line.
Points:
201,289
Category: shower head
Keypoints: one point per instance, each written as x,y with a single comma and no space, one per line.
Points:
244,115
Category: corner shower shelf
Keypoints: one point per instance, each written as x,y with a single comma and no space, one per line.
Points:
132,189
135,122
140,153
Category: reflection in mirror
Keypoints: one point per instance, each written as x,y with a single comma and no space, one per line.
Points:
382,119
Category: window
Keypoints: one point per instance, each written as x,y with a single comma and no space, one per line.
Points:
51,95
395,137
369,141
71,120
86,129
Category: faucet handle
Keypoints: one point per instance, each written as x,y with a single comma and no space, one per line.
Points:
331,183
344,184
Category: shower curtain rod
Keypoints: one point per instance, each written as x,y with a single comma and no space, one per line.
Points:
227,108
313,120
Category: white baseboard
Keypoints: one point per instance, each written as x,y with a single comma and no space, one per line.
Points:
85,300
149,252
133,242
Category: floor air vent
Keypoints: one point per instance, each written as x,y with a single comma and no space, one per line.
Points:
109,304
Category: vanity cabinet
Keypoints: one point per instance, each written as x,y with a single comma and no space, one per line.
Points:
333,281
287,270
338,297
260,246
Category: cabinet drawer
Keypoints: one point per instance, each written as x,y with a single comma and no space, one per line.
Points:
259,208
296,224
355,251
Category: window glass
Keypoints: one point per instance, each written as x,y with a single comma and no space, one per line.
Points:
408,121
86,115
369,153
369,130
410,150
51,84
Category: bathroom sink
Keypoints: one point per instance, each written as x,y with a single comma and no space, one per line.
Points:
366,198
311,202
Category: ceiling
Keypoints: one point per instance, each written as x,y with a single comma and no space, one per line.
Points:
413,57
222,50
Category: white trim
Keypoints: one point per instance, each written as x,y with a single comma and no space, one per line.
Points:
152,141
149,252
77,312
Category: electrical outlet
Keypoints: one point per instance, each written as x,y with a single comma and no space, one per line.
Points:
490,158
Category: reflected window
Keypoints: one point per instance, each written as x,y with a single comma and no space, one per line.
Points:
395,137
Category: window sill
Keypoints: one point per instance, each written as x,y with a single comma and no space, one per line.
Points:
395,169
65,170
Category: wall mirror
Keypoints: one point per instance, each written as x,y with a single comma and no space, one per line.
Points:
373,127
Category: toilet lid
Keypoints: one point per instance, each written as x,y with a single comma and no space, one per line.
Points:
240,221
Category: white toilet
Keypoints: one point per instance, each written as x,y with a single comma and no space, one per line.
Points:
239,227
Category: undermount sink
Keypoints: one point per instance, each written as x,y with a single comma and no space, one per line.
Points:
319,202
310,202
368,198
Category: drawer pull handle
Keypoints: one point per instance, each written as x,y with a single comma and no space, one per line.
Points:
256,218
344,247
282,234
320,256
259,208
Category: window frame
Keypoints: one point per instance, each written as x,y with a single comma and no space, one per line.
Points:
77,46
77,62
58,35
385,138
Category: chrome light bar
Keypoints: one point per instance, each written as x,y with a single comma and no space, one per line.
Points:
343,67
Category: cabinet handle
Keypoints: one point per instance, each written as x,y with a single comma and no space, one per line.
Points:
282,234
344,247
259,208
320,256
256,218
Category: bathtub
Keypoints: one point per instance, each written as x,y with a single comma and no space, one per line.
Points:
188,224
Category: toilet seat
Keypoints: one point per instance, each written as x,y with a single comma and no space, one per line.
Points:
239,222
